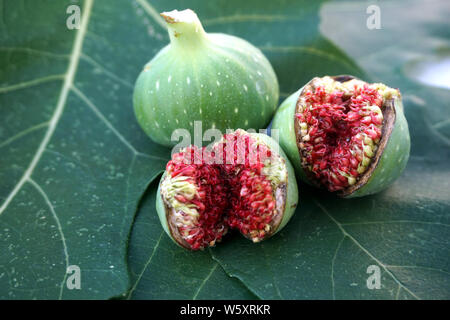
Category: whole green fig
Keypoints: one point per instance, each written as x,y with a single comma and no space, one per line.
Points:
218,79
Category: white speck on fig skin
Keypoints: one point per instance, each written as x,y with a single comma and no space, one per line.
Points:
232,75
260,87
236,110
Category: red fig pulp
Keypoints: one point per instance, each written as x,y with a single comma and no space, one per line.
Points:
240,183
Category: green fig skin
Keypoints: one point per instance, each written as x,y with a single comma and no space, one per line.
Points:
390,166
218,79
394,158
160,209
283,121
292,187
291,192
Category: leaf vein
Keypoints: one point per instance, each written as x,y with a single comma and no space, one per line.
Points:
133,288
30,83
204,281
247,18
58,223
310,50
395,221
34,51
70,74
110,74
23,133
266,258
91,105
332,266
152,12
385,268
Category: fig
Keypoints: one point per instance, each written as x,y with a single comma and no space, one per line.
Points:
243,182
345,135
218,79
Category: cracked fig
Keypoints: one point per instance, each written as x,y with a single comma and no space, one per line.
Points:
345,135
243,182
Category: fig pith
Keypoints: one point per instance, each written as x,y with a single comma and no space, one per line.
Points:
345,135
243,182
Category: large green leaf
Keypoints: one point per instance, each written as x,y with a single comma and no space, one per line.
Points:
155,264
326,250
162,270
74,162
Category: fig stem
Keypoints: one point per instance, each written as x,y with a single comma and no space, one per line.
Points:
185,29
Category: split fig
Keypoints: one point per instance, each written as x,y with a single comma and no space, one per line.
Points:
345,135
243,182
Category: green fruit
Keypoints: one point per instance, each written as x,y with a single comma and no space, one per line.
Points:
253,190
345,135
218,79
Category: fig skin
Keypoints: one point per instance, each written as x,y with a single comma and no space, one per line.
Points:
290,197
218,79
390,158
292,187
